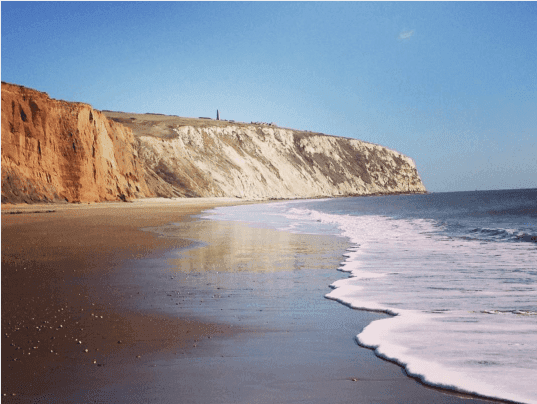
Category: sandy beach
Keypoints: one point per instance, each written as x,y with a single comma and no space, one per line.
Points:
141,302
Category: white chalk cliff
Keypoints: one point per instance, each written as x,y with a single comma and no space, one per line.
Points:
218,158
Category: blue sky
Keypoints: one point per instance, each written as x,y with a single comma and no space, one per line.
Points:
452,85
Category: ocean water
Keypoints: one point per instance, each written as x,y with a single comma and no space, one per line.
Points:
457,272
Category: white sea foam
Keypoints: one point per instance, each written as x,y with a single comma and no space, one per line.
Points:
464,310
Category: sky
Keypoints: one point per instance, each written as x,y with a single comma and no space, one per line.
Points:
452,85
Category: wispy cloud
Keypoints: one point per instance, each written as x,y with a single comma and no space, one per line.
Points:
405,35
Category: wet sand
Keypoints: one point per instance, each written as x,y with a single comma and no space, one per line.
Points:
56,302
193,312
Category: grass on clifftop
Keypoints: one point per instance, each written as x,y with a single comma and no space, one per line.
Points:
159,125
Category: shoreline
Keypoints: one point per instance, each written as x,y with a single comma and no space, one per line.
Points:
19,208
133,327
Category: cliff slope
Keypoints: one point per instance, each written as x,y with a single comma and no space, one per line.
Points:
200,157
61,151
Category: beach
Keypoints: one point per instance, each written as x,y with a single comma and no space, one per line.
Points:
142,302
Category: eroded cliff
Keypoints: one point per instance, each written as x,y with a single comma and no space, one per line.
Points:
219,158
62,151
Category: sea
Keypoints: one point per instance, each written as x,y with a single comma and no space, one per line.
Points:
456,273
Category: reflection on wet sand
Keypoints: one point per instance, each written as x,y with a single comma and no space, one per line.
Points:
231,247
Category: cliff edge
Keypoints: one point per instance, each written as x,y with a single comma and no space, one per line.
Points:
55,150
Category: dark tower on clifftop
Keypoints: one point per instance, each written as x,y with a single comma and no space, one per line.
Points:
217,115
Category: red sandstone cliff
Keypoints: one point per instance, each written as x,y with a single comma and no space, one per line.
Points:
62,151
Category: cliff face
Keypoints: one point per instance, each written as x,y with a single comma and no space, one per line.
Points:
60,151
216,158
